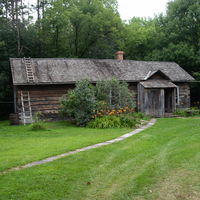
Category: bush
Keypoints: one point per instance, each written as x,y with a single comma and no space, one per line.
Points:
38,122
79,103
196,112
111,122
139,115
182,113
114,93
108,97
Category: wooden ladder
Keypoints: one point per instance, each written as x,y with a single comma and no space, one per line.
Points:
29,70
26,115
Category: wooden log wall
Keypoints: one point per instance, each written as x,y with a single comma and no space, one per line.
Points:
140,98
184,95
159,76
133,87
44,98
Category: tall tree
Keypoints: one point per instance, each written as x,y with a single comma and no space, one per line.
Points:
178,37
74,28
138,38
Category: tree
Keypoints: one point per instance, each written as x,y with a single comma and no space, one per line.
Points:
75,28
139,38
177,37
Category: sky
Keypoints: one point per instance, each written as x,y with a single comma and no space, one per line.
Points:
141,8
136,8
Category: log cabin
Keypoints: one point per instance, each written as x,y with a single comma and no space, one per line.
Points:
38,83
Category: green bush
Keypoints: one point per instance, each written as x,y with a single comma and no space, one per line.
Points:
111,122
127,122
182,113
138,115
79,103
37,127
87,100
196,112
38,122
114,93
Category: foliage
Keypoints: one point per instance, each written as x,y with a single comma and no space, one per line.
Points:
38,122
139,115
138,38
106,118
77,27
195,94
122,117
79,103
111,122
114,93
195,112
182,113
177,37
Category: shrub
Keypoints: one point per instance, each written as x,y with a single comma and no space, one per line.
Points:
111,122
79,103
38,122
108,97
114,93
182,113
139,115
196,112
127,122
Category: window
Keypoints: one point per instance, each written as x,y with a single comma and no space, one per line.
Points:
177,95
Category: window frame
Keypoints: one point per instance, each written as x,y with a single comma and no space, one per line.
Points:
177,95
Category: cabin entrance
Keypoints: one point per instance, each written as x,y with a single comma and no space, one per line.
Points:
156,97
169,100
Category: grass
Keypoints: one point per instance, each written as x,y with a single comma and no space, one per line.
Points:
19,145
162,162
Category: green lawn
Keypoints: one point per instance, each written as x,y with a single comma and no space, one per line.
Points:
162,162
19,145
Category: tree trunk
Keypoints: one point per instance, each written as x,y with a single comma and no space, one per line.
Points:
38,11
13,13
57,48
17,28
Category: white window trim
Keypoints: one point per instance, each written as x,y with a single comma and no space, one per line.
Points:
177,95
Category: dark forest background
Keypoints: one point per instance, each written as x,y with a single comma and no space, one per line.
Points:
94,29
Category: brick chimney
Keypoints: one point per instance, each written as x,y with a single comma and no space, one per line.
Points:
119,55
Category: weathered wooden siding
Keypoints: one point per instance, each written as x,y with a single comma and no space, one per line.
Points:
151,101
140,98
44,98
133,88
184,95
154,102
158,76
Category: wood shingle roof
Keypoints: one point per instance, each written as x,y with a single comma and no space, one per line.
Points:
69,70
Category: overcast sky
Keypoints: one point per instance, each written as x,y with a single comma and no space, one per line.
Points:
136,8
141,8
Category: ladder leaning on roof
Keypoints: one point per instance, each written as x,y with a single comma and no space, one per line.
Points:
26,114
29,70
